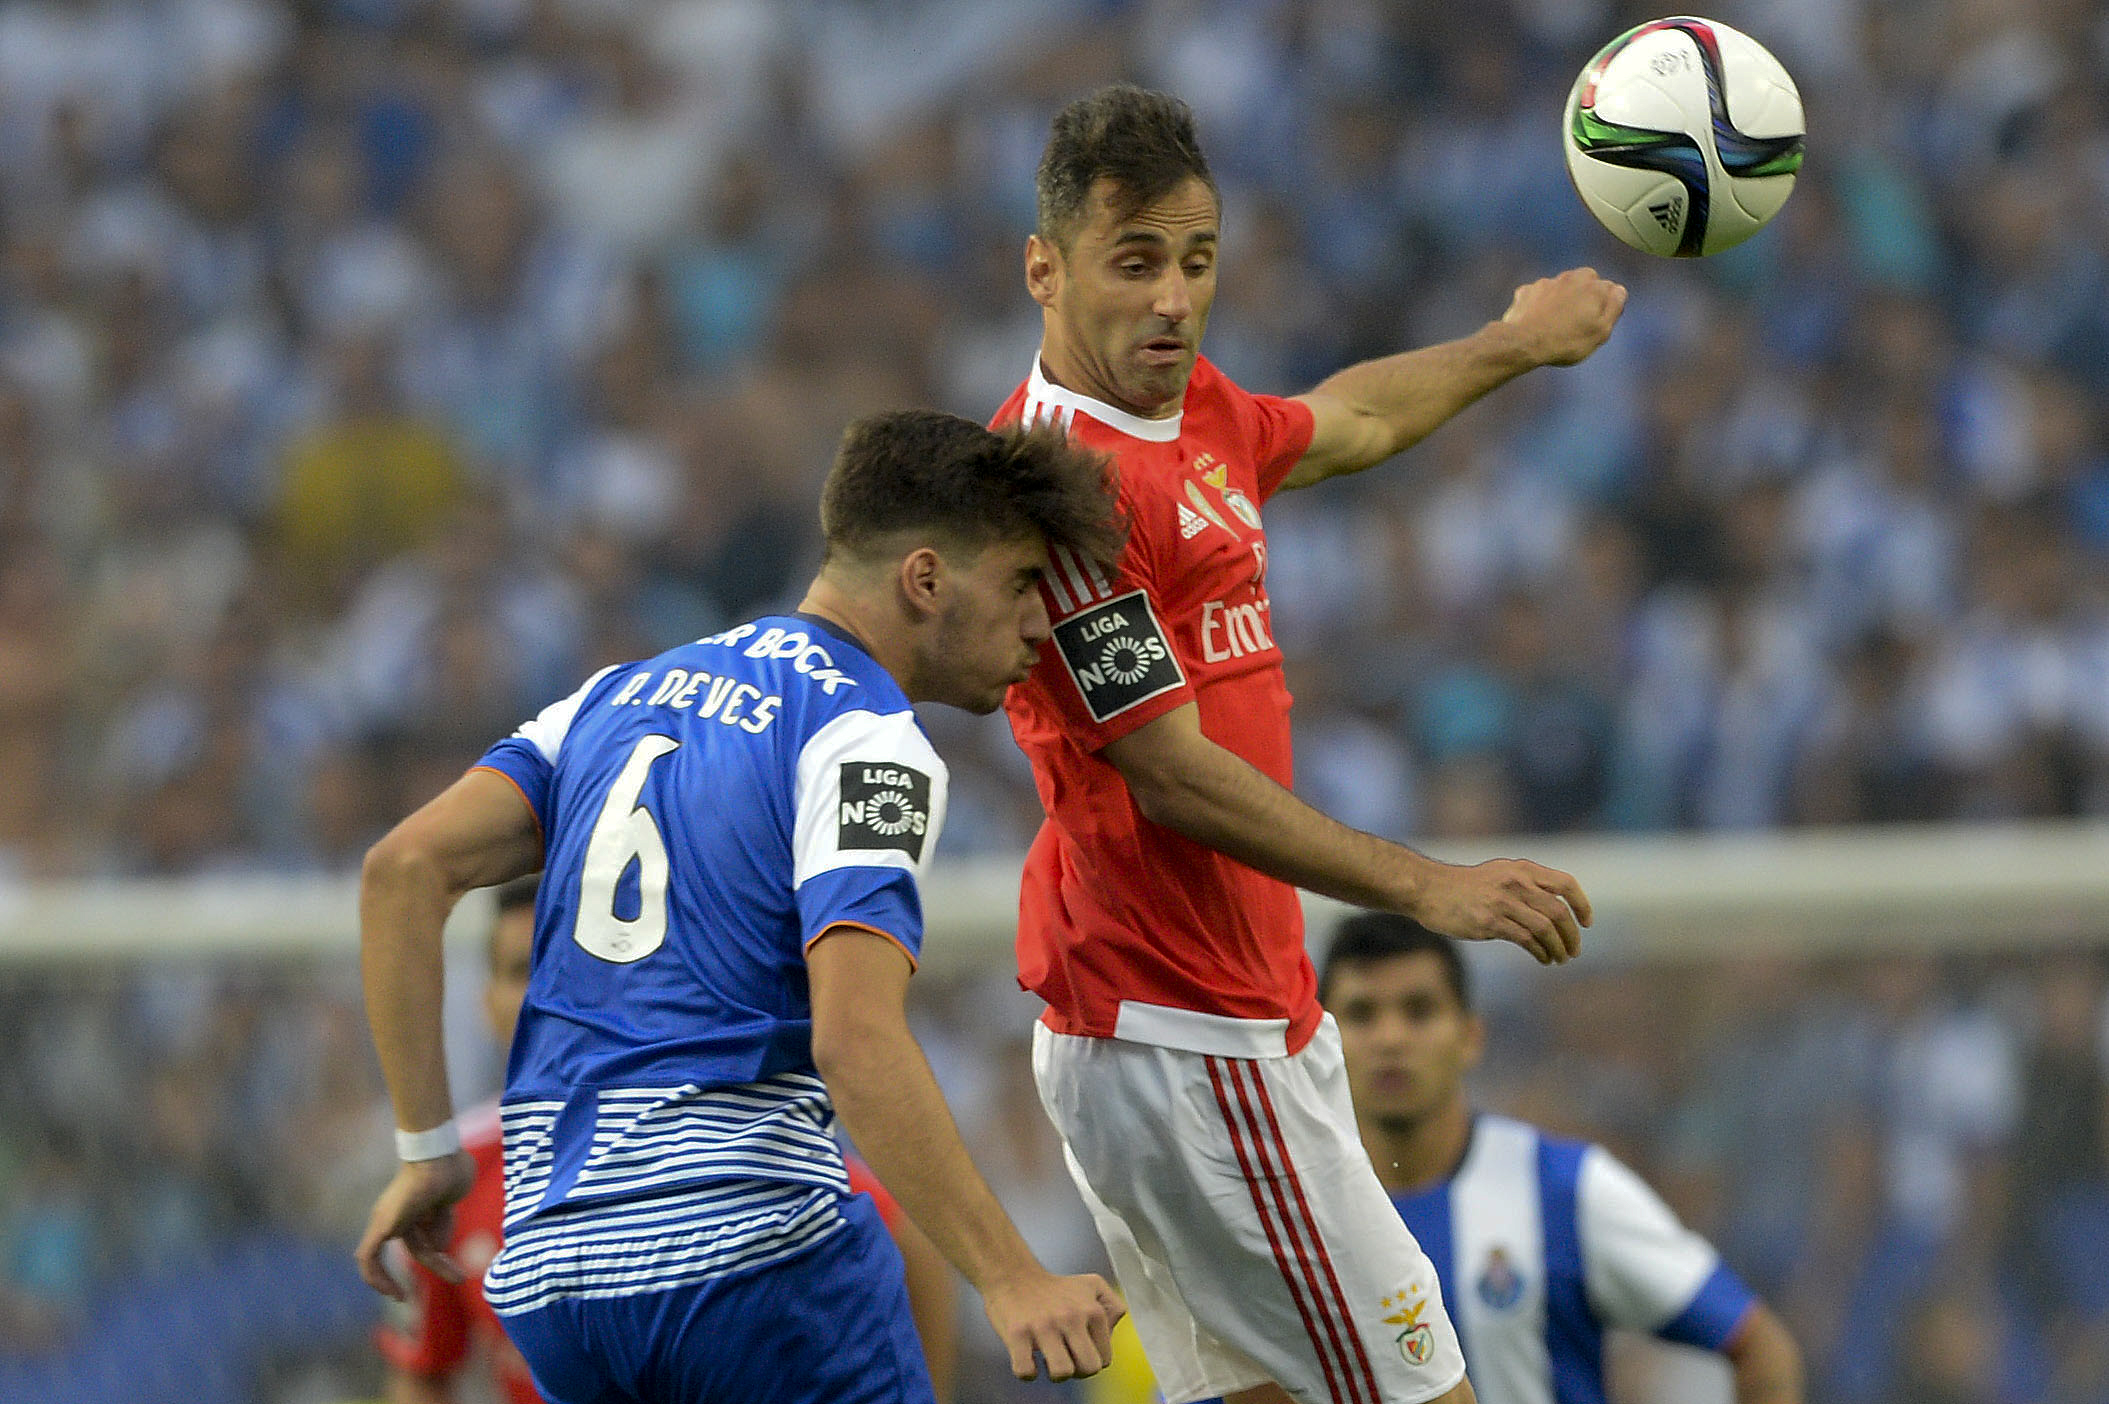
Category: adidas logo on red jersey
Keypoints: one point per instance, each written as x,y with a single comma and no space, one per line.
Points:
1191,523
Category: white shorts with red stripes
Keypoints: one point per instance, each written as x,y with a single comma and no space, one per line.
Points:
1250,1235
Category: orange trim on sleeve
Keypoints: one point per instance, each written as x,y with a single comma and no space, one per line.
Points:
494,770
834,926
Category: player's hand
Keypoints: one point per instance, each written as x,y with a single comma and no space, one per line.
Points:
418,1208
1068,1321
1508,899
1565,318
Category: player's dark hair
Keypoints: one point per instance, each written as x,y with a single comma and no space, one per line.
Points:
929,472
510,897
1369,937
1141,141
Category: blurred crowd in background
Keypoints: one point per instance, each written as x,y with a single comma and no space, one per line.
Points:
372,370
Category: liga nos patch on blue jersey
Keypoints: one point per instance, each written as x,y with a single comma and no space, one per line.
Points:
1118,655
884,806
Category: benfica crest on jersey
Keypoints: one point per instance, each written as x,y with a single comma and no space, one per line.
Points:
1240,505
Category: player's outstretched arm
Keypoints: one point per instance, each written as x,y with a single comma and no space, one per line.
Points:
1372,410
478,832
1187,783
1765,1359
890,1104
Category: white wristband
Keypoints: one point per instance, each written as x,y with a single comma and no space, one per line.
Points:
443,1139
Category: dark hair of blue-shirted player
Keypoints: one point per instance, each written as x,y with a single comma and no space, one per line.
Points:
937,534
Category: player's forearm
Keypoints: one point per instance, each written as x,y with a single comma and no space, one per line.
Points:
1406,397
890,1104
1222,802
1765,1360
403,904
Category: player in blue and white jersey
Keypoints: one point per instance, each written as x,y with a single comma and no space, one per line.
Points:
1541,1244
732,836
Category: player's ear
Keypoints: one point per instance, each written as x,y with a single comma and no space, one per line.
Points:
1043,269
921,578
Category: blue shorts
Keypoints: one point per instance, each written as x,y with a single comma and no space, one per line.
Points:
829,1325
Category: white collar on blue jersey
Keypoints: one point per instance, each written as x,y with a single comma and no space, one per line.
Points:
1043,395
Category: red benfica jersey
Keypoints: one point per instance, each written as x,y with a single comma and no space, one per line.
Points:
1127,929
444,1323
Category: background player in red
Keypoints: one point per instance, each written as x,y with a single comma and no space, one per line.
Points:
1183,1054
445,1328
933,1292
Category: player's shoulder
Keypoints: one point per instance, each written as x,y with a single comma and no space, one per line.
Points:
1576,1171
1557,1160
1495,1133
1211,394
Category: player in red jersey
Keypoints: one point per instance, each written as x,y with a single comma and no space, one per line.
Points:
432,1337
1183,1054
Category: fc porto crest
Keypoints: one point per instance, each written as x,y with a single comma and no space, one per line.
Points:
1500,1285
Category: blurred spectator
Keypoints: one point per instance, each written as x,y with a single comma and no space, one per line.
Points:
36,676
366,482
1938,1091
2056,1231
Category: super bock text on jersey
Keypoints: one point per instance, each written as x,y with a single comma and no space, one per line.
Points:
706,815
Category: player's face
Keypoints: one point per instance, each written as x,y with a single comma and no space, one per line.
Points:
1406,1039
991,625
511,943
1128,299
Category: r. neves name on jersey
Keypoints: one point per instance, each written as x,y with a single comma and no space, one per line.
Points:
730,700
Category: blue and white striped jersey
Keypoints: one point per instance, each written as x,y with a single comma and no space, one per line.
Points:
1542,1244
706,815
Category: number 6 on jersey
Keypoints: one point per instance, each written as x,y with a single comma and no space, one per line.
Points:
623,832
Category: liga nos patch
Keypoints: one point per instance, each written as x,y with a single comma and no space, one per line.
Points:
1117,655
884,805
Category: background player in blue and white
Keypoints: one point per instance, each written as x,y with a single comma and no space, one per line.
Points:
1541,1244
733,835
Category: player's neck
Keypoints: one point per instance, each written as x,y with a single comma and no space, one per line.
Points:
1415,1155
1060,366
826,599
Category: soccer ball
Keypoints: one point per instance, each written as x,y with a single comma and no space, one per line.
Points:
1683,137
